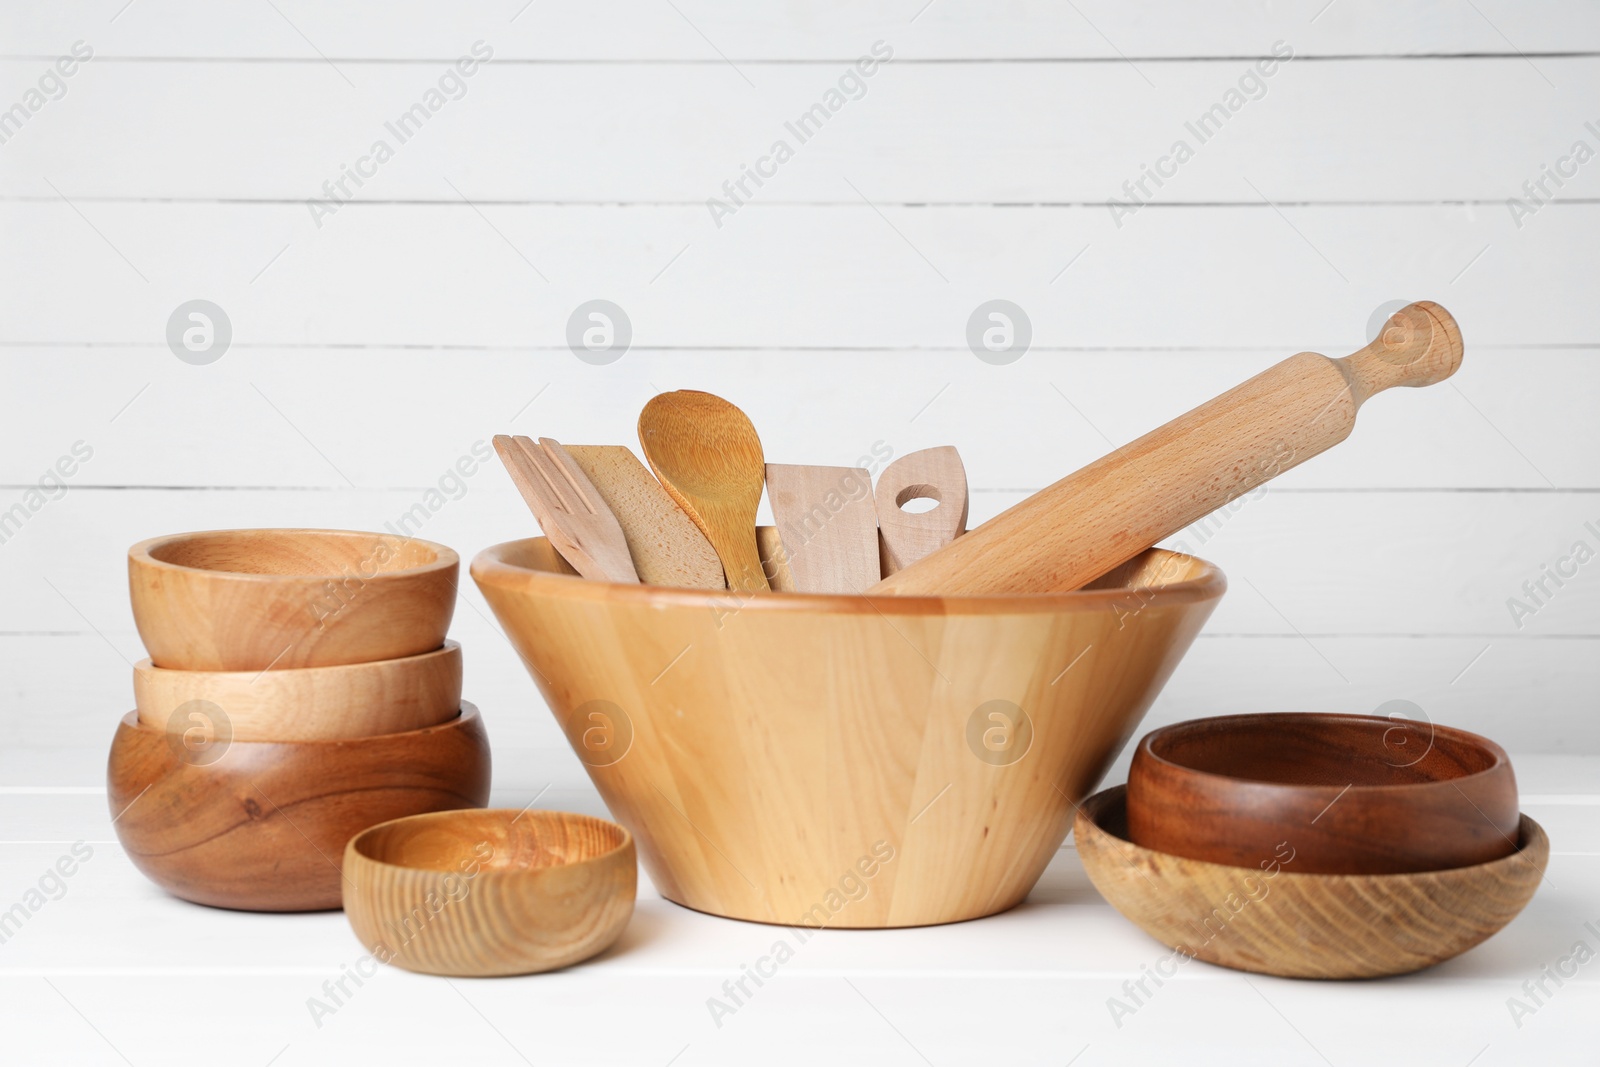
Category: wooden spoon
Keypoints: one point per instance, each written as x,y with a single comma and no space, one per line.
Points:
1089,522
708,457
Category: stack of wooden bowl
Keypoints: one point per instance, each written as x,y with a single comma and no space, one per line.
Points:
1314,845
299,690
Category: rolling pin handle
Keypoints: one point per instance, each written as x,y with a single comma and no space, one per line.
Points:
1419,345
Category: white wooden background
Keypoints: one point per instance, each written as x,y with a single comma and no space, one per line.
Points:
371,352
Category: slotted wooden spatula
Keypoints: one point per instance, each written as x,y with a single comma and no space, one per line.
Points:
935,474
1089,522
569,508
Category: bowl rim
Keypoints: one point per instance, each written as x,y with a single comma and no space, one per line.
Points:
490,567
449,647
468,713
444,559
354,846
1500,761
1531,841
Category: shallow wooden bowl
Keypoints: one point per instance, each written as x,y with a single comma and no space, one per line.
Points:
485,893
388,696
829,760
1353,794
1273,919
249,600
261,825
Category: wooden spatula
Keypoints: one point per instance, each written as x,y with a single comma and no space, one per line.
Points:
1110,511
666,546
708,457
828,524
935,474
569,508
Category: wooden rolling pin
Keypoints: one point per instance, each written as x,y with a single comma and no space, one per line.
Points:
1089,522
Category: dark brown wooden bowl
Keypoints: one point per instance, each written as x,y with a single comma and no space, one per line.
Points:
1275,919
262,825
1349,794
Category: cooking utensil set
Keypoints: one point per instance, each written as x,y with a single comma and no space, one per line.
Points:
938,715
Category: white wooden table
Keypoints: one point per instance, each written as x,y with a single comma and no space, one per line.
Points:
111,971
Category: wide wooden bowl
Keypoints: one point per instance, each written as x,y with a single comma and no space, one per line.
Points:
261,825
1272,918
484,893
249,600
388,696
834,760
1353,794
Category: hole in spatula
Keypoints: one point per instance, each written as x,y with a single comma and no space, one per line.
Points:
917,499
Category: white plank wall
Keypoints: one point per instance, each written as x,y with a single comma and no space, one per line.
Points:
375,345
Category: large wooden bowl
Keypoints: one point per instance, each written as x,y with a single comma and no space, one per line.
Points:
261,825
1354,794
839,761
484,893
387,696
249,600
1271,919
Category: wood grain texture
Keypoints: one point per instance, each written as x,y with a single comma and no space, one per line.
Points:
828,524
570,510
666,546
1151,488
484,893
1270,919
1355,794
261,825
249,600
831,731
928,474
307,703
707,455
774,560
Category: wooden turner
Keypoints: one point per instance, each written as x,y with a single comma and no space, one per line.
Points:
1089,522
667,548
569,508
828,525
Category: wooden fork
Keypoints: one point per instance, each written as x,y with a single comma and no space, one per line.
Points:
569,508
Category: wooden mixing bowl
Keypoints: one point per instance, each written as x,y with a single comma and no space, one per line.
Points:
387,696
834,760
484,893
250,600
1273,918
261,825
1352,794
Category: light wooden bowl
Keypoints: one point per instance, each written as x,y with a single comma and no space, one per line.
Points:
833,760
261,825
1354,794
1271,920
388,696
482,893
250,600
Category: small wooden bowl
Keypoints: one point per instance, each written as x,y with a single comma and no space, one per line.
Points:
1352,794
388,696
249,600
1272,919
485,893
260,825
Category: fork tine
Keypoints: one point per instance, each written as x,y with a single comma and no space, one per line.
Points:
540,462
558,458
